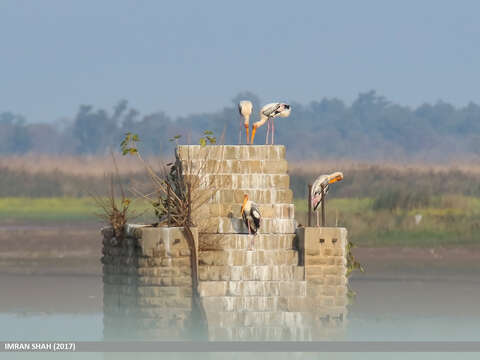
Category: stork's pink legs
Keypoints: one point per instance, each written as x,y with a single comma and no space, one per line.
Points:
273,129
240,134
268,130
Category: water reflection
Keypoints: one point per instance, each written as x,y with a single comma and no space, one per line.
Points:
384,310
155,320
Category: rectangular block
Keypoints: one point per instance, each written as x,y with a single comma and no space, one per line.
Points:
269,196
212,288
235,225
167,241
242,257
252,273
244,242
231,152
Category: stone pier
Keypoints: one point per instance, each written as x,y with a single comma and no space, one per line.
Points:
147,284
285,283
262,287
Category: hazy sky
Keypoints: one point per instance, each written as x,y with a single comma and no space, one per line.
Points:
184,57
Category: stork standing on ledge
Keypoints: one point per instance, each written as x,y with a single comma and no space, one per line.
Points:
320,188
267,114
245,108
251,216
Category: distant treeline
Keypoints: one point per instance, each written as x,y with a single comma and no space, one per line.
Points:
371,128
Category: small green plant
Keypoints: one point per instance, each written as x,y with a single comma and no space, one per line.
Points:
207,138
115,212
175,139
129,144
352,265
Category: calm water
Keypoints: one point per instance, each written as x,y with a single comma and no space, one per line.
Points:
89,327
410,307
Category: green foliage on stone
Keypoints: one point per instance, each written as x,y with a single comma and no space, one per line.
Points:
352,263
207,138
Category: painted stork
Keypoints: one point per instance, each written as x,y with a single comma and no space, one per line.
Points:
267,114
317,194
245,108
251,216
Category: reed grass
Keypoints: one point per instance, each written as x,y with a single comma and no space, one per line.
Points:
440,225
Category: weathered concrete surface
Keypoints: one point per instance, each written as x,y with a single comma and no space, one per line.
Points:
232,152
255,287
323,252
147,280
285,283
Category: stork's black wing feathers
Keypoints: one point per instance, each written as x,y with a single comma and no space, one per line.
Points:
322,196
244,217
255,214
270,112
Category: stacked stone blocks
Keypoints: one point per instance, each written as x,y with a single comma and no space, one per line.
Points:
281,284
249,284
147,279
325,268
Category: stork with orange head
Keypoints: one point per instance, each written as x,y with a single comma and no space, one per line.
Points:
245,108
251,216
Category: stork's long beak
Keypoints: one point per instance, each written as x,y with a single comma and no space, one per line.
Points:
247,131
254,130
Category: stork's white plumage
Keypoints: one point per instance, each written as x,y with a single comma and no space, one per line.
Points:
317,194
251,215
267,114
245,108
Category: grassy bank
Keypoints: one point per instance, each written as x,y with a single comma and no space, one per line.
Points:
447,221
57,209
377,202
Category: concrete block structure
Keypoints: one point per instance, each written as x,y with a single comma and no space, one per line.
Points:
285,283
269,290
147,284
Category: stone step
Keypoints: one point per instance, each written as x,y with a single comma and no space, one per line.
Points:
232,152
254,333
245,257
225,225
258,303
269,196
312,304
147,312
244,242
279,211
252,273
148,323
259,318
241,181
252,288
211,166
125,332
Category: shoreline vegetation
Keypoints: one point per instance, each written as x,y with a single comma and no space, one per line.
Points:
381,204
439,226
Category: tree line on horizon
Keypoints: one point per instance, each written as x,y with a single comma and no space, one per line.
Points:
371,128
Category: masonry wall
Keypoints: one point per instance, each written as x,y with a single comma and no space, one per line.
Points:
256,287
285,283
147,284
